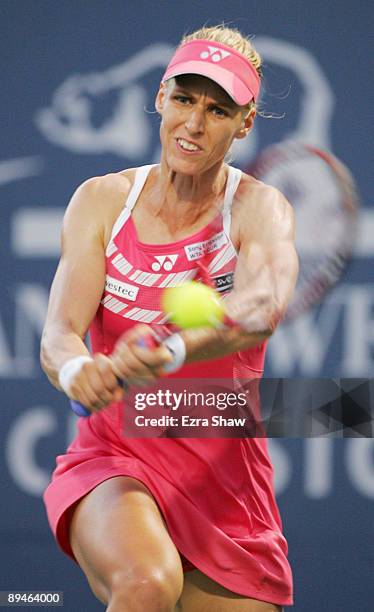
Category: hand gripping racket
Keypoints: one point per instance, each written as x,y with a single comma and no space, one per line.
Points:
150,341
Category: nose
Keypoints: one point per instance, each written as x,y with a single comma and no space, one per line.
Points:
195,121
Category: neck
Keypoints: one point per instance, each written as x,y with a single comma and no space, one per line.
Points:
185,197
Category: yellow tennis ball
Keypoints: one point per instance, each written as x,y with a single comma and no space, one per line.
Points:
193,305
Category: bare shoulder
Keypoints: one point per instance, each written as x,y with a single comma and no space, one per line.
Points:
262,209
100,200
106,189
255,196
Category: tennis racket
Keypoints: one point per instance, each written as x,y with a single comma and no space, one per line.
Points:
325,199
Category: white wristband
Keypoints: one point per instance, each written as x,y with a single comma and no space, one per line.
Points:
177,348
70,368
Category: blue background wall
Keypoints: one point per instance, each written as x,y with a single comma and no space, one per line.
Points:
72,107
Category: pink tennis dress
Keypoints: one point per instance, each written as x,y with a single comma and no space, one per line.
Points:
216,494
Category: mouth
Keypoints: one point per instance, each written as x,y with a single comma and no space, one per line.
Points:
187,146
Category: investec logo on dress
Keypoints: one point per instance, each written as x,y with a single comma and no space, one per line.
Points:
124,290
199,249
214,54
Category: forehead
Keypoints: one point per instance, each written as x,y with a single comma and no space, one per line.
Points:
201,85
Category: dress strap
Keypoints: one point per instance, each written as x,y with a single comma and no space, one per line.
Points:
233,180
139,182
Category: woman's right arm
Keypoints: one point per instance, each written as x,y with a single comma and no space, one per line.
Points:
76,292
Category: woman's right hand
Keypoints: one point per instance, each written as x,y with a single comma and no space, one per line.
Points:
135,361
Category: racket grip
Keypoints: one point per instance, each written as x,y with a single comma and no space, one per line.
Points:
80,410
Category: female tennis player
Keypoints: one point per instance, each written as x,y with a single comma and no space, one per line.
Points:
172,523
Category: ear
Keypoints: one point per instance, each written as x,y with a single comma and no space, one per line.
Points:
246,124
160,98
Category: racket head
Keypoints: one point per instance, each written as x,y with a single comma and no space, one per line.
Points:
325,200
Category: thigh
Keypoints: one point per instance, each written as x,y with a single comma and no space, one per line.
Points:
201,594
117,530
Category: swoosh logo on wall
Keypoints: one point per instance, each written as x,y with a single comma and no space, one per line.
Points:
19,168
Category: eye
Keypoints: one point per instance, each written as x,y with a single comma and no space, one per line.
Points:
219,112
181,99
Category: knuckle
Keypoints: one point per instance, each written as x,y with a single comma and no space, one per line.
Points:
111,384
73,389
86,367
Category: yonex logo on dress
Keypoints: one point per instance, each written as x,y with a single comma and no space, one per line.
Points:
215,54
166,262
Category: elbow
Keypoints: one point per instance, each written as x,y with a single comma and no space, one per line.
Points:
43,352
45,360
276,316
249,339
266,333
267,324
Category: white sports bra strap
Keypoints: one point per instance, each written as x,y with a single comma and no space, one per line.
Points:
140,179
141,175
233,181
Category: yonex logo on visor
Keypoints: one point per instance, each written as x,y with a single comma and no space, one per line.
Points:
220,63
215,54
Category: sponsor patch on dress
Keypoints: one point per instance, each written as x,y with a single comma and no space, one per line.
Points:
123,290
224,282
199,249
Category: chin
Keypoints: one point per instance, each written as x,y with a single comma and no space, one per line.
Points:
188,167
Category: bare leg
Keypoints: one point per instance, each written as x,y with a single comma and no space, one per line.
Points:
121,542
201,594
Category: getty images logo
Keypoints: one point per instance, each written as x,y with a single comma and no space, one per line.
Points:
215,54
164,262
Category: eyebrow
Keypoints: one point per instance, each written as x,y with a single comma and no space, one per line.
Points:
228,105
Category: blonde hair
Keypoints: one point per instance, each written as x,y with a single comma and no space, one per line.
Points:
232,38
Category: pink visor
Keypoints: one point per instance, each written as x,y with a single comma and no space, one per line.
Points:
227,67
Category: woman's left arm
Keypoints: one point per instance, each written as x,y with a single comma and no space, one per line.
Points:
264,279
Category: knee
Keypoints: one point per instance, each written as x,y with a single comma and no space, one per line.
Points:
154,589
